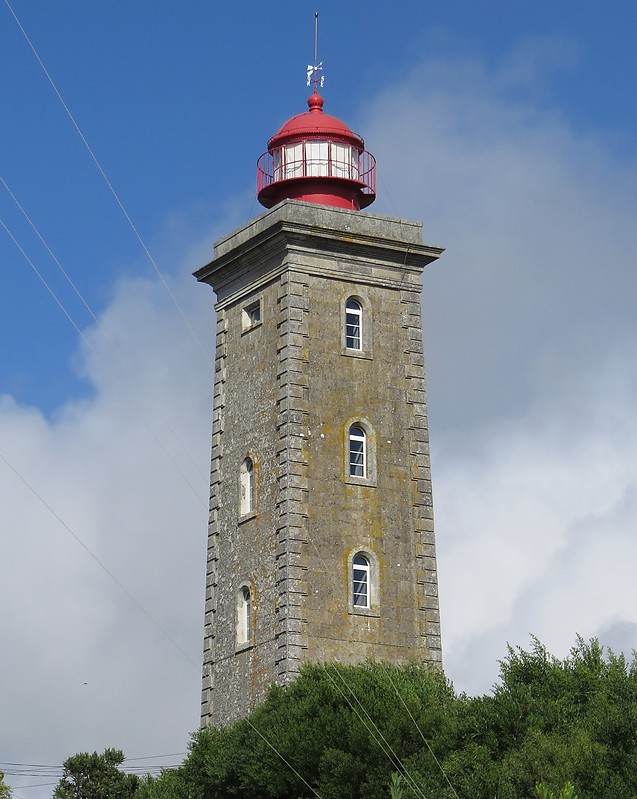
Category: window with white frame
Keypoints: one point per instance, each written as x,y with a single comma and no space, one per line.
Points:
251,315
244,616
357,452
316,158
353,325
342,161
293,160
360,581
246,487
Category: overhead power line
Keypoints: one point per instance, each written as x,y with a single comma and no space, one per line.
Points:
287,762
110,185
376,734
376,739
104,568
42,279
147,402
48,249
431,751
9,765
155,757
88,344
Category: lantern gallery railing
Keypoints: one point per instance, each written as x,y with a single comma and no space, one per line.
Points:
317,159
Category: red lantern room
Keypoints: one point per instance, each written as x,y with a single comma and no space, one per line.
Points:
316,158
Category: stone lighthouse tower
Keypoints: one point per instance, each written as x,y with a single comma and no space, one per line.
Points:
321,539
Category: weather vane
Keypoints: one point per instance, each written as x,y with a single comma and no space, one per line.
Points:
314,69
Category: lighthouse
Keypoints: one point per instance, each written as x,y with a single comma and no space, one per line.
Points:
321,539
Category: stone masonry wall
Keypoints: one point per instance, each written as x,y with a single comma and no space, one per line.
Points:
286,392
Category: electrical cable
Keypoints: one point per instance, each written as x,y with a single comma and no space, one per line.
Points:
147,403
404,704
110,186
144,611
389,197
37,233
26,765
97,560
45,284
155,757
34,785
90,346
431,751
385,746
287,763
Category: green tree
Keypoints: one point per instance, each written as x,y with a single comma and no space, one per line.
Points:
551,722
567,792
320,733
169,785
565,727
96,776
396,786
5,791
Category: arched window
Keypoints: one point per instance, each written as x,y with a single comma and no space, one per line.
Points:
353,325
246,486
244,616
360,581
357,452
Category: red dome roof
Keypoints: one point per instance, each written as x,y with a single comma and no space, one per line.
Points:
316,158
315,124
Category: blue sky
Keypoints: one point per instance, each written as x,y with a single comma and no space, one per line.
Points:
507,128
176,101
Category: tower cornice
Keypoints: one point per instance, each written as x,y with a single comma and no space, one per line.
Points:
295,229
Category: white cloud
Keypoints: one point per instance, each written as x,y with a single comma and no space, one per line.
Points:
127,471
531,334
537,529
537,220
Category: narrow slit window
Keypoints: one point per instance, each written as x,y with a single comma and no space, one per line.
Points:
276,171
246,485
354,162
360,581
244,616
357,452
353,325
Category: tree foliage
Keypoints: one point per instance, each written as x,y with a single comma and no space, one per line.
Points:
567,792
551,729
96,776
5,791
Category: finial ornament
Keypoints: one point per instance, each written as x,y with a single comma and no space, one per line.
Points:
314,69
